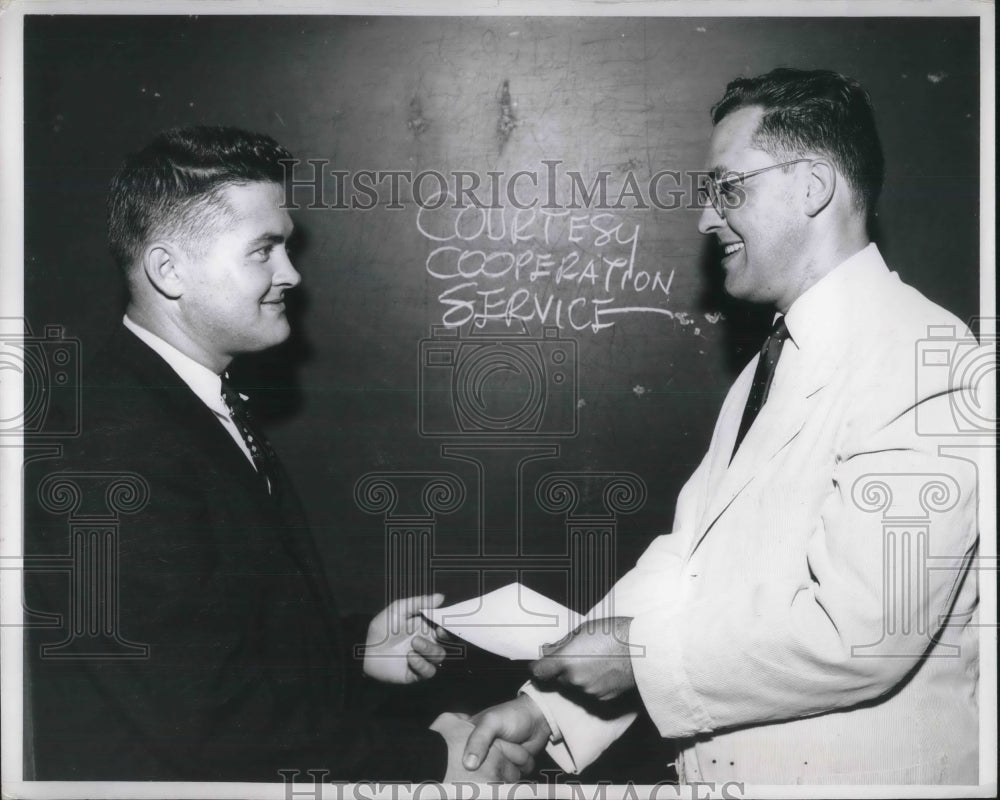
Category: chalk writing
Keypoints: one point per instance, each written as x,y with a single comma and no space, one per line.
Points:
562,267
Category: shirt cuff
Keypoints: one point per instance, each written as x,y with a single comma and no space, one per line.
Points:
583,735
556,747
538,698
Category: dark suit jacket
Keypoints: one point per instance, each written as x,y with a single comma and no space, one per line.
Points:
248,670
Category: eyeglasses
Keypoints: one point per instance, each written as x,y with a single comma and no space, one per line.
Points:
722,194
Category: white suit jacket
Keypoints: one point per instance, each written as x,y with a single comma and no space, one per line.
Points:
811,617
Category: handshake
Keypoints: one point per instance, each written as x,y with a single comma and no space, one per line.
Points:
500,743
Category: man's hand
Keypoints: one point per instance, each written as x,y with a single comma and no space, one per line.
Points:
505,761
593,659
401,647
516,722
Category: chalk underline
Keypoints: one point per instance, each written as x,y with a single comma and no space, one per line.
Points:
634,309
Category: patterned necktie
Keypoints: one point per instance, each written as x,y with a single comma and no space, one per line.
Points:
263,456
769,355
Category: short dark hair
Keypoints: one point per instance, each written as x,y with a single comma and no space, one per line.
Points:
816,110
174,185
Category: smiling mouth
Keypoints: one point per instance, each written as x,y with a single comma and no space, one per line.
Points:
733,247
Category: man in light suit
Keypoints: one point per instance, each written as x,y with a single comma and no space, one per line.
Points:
784,631
226,659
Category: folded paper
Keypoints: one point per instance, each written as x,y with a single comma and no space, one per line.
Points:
513,621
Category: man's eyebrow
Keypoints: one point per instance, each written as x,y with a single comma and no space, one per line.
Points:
270,238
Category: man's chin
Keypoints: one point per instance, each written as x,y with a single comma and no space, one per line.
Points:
734,287
282,338
277,335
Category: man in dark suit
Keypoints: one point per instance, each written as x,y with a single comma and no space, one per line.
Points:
219,654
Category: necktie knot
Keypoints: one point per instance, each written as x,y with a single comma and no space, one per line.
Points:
232,398
261,453
779,330
779,333
771,350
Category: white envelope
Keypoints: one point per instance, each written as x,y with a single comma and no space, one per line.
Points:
513,622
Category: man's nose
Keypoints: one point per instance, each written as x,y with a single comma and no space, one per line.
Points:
285,273
710,221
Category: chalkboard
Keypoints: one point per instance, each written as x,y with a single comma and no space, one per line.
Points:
548,443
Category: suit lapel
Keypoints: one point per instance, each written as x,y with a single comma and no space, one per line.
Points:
778,423
186,408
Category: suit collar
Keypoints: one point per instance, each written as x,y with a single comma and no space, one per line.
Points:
136,365
820,312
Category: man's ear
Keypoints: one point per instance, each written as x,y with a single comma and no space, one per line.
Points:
821,186
160,264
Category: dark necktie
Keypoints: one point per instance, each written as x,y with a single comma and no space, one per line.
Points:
769,355
263,456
